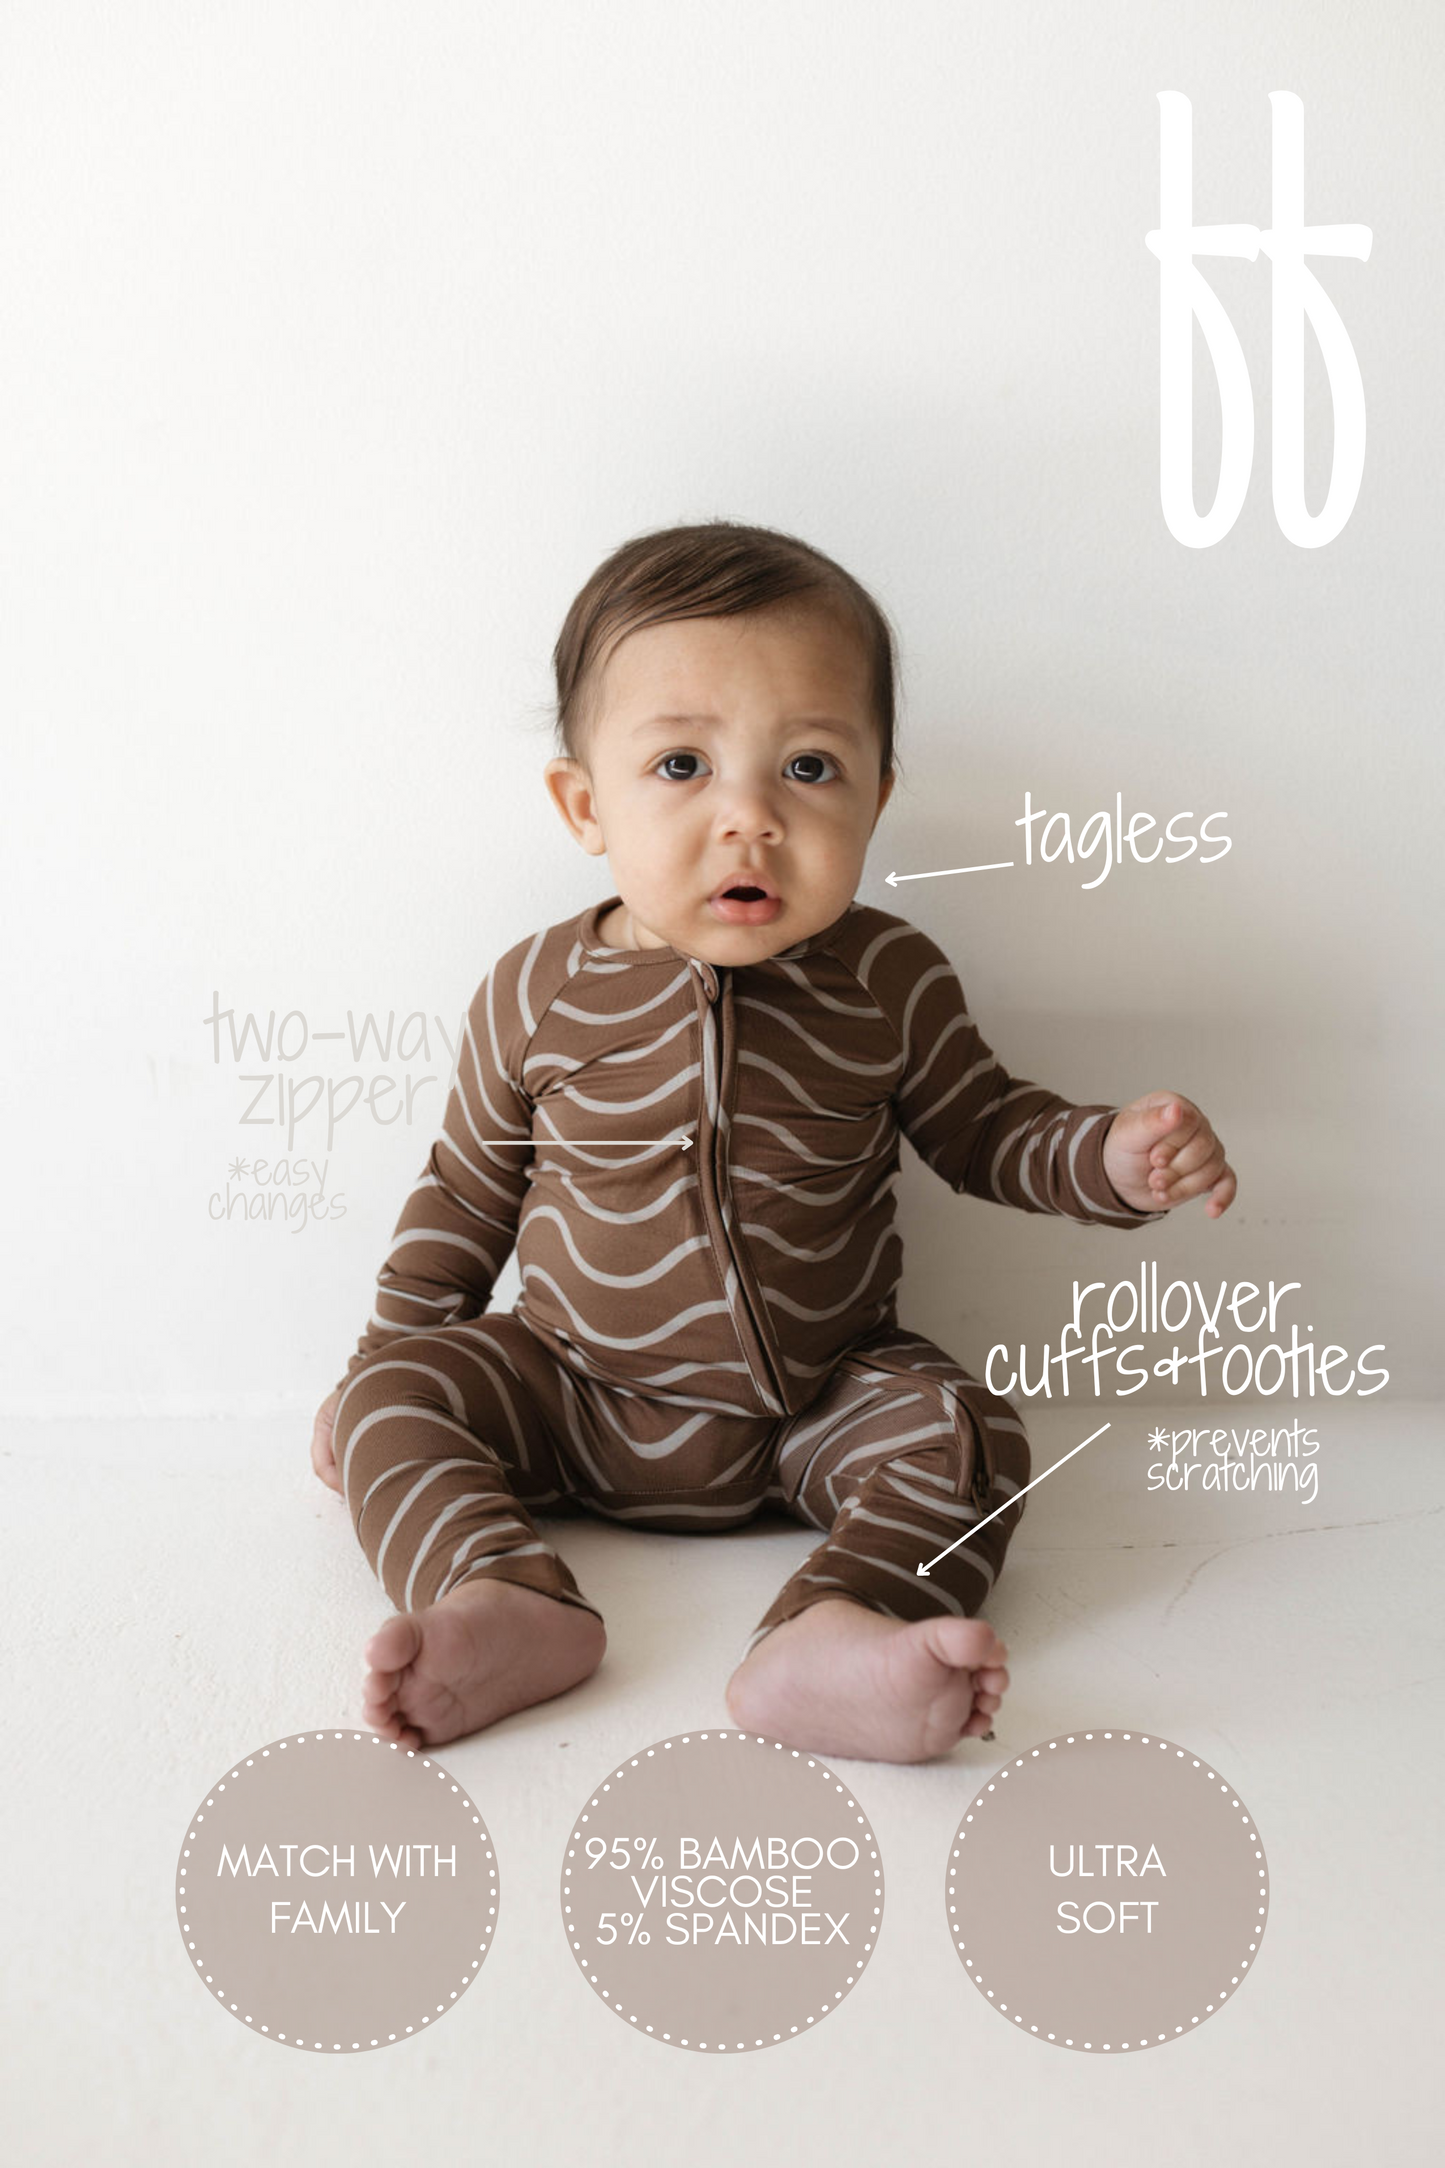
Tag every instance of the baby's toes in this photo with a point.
(992, 1680)
(961, 1643)
(392, 1728)
(394, 1645)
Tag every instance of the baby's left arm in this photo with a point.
(1160, 1151)
(998, 1136)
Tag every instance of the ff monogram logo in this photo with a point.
(1295, 292)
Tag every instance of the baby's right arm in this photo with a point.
(458, 1226)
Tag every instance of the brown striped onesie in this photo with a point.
(707, 1323)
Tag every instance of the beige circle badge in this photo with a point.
(1107, 1891)
(337, 1892)
(722, 1892)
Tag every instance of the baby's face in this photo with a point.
(723, 746)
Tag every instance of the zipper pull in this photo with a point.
(708, 976)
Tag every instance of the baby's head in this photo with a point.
(725, 707)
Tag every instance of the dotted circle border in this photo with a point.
(263, 1753)
(1021, 1761)
(744, 1738)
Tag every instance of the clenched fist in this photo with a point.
(1160, 1151)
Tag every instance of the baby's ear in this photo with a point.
(570, 788)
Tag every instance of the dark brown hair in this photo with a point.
(718, 568)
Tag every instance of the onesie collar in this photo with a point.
(590, 920)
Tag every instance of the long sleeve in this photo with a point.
(985, 1132)
(458, 1226)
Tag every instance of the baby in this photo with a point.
(683, 1106)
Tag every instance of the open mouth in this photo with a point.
(746, 902)
(748, 888)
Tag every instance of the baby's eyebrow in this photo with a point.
(823, 723)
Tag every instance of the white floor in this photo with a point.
(178, 1593)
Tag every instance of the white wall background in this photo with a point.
(339, 343)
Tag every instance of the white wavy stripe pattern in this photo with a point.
(832, 1055)
(640, 1275)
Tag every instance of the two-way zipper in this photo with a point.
(715, 1007)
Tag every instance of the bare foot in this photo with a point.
(488, 1648)
(842, 1679)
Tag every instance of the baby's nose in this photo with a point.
(751, 810)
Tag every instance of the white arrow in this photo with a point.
(894, 878)
(1012, 1501)
(570, 1142)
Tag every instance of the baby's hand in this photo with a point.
(323, 1460)
(1160, 1151)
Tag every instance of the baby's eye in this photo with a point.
(665, 766)
(666, 763)
(824, 757)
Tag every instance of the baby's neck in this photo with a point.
(617, 929)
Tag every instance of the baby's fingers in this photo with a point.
(323, 1456)
(1222, 1195)
(1215, 1176)
(1189, 1125)
(1199, 1171)
(1203, 1150)
(325, 1467)
(1169, 1185)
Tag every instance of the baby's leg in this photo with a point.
(860, 1654)
(438, 1439)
